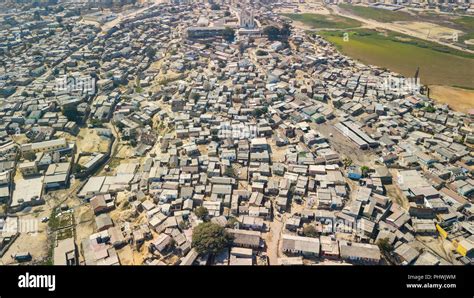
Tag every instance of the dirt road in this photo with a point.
(272, 239)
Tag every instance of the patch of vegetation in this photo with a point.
(210, 238)
(229, 34)
(430, 109)
(261, 53)
(466, 22)
(324, 21)
(65, 233)
(259, 112)
(439, 65)
(230, 172)
(97, 123)
(201, 212)
(77, 168)
(114, 162)
(378, 14)
(71, 113)
(364, 170)
(385, 246)
(310, 231)
(59, 221)
(274, 33)
(466, 25)
(150, 52)
(29, 156)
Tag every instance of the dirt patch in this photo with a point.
(32, 240)
(315, 8)
(429, 29)
(89, 141)
(461, 100)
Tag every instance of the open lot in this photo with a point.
(89, 141)
(458, 99)
(430, 29)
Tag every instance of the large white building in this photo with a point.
(247, 20)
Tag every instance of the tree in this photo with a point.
(227, 13)
(71, 113)
(182, 225)
(77, 168)
(347, 162)
(364, 170)
(275, 33)
(271, 32)
(201, 212)
(430, 109)
(221, 64)
(96, 122)
(36, 16)
(194, 96)
(229, 34)
(259, 112)
(150, 52)
(241, 48)
(29, 156)
(229, 172)
(310, 231)
(210, 238)
(215, 6)
(385, 246)
(285, 31)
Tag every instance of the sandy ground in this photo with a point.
(89, 141)
(129, 255)
(344, 145)
(438, 246)
(316, 8)
(429, 29)
(34, 242)
(458, 99)
(20, 139)
(272, 239)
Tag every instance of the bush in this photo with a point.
(96, 123)
(310, 231)
(29, 156)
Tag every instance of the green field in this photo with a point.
(378, 14)
(318, 21)
(466, 24)
(403, 54)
